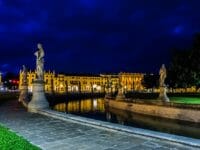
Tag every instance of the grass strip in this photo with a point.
(11, 141)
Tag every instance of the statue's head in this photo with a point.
(39, 46)
(163, 65)
(24, 68)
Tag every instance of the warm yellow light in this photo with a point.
(94, 86)
(99, 88)
(61, 86)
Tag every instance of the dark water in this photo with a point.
(96, 109)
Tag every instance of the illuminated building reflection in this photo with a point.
(84, 106)
(99, 110)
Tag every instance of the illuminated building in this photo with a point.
(63, 83)
(132, 81)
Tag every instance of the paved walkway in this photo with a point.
(50, 134)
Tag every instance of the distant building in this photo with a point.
(132, 81)
(62, 83)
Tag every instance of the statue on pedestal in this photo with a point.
(120, 94)
(39, 62)
(38, 100)
(163, 75)
(24, 75)
(163, 88)
(23, 97)
(109, 87)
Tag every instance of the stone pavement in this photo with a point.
(50, 134)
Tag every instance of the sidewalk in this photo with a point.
(50, 134)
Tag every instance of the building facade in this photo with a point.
(131, 81)
(63, 83)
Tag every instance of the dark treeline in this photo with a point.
(184, 69)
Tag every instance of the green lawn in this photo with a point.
(10, 141)
(186, 100)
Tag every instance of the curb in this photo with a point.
(124, 129)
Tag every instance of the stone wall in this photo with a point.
(190, 113)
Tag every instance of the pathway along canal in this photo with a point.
(96, 109)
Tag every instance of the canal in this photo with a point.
(97, 109)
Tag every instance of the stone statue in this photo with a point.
(24, 75)
(23, 97)
(163, 75)
(38, 100)
(120, 94)
(39, 62)
(163, 88)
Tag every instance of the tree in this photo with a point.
(184, 70)
(195, 60)
(178, 69)
(150, 81)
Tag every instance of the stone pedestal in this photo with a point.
(23, 96)
(23, 93)
(163, 94)
(38, 100)
(120, 95)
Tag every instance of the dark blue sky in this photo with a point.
(95, 35)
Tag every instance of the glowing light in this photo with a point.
(94, 86)
(95, 103)
(61, 86)
(99, 88)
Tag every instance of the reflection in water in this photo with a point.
(95, 108)
(108, 116)
(81, 106)
(155, 123)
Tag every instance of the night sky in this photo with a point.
(95, 36)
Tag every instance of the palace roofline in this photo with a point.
(90, 74)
